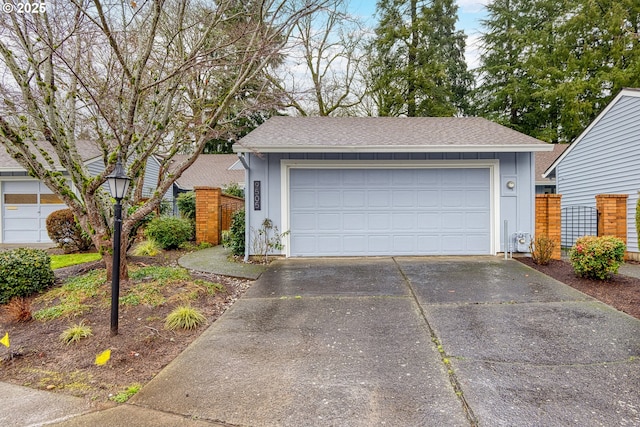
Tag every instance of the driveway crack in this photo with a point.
(453, 379)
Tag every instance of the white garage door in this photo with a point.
(25, 207)
(345, 212)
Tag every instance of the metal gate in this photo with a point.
(578, 221)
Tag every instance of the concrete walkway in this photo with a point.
(390, 341)
(217, 260)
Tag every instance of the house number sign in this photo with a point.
(257, 196)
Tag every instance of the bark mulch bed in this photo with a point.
(37, 358)
(621, 292)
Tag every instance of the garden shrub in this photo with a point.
(234, 239)
(541, 249)
(169, 232)
(233, 189)
(597, 257)
(24, 272)
(187, 205)
(65, 231)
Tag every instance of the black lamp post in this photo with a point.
(118, 186)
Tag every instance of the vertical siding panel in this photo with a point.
(606, 161)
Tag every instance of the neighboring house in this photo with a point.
(209, 170)
(390, 186)
(26, 202)
(605, 159)
(544, 159)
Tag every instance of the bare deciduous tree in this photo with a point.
(321, 76)
(130, 79)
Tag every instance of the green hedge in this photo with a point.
(24, 272)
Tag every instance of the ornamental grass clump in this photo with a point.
(184, 317)
(597, 257)
(75, 333)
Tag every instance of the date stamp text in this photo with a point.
(20, 7)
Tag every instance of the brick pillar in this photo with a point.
(548, 220)
(612, 215)
(208, 215)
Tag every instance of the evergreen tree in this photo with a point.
(417, 65)
(549, 67)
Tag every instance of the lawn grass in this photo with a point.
(59, 261)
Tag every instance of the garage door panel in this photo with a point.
(476, 199)
(404, 244)
(452, 178)
(305, 243)
(453, 198)
(379, 221)
(427, 180)
(428, 198)
(353, 244)
(390, 212)
(354, 198)
(428, 244)
(379, 199)
(379, 244)
(476, 220)
(354, 221)
(328, 243)
(477, 178)
(476, 243)
(429, 221)
(304, 221)
(403, 221)
(403, 198)
(353, 178)
(301, 199)
(382, 178)
(328, 199)
(403, 178)
(328, 222)
(452, 220)
(329, 180)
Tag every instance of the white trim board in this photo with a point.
(492, 164)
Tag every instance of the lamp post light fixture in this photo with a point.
(118, 186)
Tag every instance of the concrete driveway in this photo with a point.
(407, 342)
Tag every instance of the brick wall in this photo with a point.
(548, 219)
(214, 211)
(612, 219)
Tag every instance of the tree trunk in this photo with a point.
(107, 255)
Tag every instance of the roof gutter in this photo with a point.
(397, 149)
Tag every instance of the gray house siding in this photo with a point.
(606, 160)
(150, 181)
(514, 206)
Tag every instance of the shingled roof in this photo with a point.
(386, 134)
(88, 150)
(210, 170)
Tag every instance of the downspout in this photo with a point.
(246, 214)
